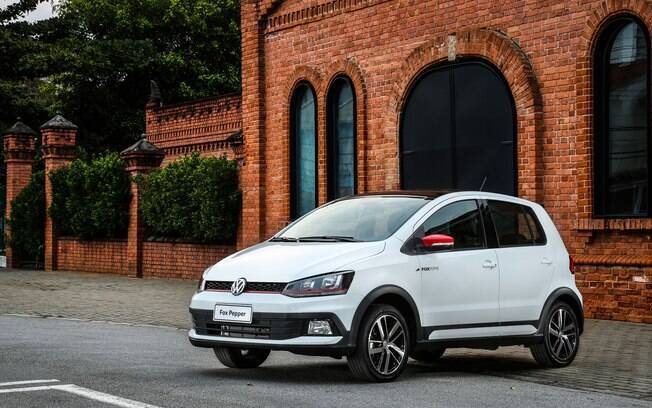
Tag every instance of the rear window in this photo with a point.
(516, 225)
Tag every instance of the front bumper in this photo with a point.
(274, 331)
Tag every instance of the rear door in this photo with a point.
(526, 262)
(459, 285)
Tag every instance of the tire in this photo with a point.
(556, 350)
(241, 358)
(388, 359)
(428, 356)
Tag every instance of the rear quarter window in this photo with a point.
(516, 225)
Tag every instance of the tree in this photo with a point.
(27, 219)
(95, 58)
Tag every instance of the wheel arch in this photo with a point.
(394, 296)
(568, 296)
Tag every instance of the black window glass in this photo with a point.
(622, 123)
(457, 129)
(341, 140)
(304, 143)
(460, 220)
(515, 224)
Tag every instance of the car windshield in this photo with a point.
(372, 218)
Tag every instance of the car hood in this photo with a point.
(288, 261)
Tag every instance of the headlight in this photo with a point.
(337, 283)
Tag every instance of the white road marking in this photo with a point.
(83, 392)
(26, 389)
(102, 397)
(8, 384)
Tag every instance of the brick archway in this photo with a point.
(350, 69)
(600, 17)
(509, 58)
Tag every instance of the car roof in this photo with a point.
(408, 193)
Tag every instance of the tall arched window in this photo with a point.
(458, 130)
(303, 151)
(622, 129)
(341, 139)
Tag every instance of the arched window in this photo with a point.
(458, 130)
(303, 151)
(622, 129)
(341, 139)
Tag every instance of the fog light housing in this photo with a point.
(320, 328)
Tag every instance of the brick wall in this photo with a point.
(179, 260)
(202, 126)
(544, 50)
(160, 259)
(92, 256)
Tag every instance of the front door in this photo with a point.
(460, 286)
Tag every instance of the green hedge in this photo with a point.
(193, 198)
(27, 221)
(90, 198)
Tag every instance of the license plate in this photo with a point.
(232, 313)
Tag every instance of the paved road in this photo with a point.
(153, 365)
(614, 358)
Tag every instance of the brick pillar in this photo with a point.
(252, 176)
(59, 139)
(140, 158)
(19, 156)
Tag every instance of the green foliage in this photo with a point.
(27, 219)
(90, 198)
(193, 198)
(95, 58)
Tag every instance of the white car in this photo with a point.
(381, 277)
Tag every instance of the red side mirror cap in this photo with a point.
(437, 242)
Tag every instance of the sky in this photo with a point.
(43, 11)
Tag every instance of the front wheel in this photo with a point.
(561, 338)
(383, 345)
(241, 358)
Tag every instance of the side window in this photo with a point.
(536, 228)
(460, 220)
(516, 225)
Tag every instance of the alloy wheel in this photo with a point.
(387, 344)
(562, 334)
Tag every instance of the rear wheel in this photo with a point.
(561, 338)
(383, 345)
(241, 358)
(428, 356)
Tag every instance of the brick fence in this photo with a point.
(134, 255)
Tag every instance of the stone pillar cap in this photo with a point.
(143, 147)
(59, 122)
(19, 128)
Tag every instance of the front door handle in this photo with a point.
(489, 264)
(546, 261)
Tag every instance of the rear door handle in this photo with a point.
(489, 264)
(546, 261)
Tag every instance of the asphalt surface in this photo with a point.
(157, 366)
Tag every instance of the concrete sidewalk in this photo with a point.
(614, 357)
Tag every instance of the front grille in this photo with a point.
(272, 287)
(265, 328)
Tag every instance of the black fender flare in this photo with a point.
(552, 298)
(375, 295)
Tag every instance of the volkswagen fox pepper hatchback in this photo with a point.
(380, 278)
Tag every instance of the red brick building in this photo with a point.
(548, 100)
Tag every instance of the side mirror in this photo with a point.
(437, 242)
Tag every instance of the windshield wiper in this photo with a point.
(333, 238)
(283, 239)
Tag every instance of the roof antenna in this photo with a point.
(483, 181)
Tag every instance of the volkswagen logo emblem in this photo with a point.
(238, 286)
